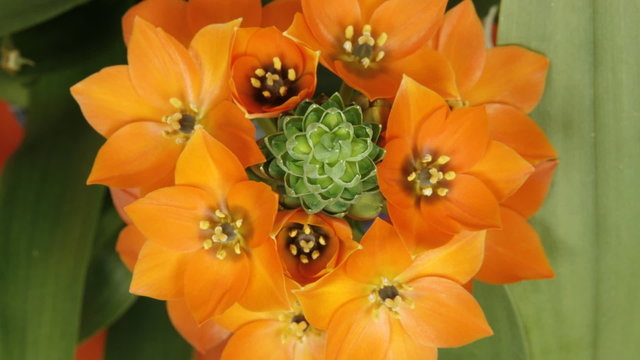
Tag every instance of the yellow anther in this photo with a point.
(348, 32)
(426, 159)
(304, 259)
(291, 75)
(427, 191)
(322, 241)
(256, 83)
(269, 79)
(365, 62)
(443, 191)
(382, 39)
(260, 72)
(266, 94)
(236, 248)
(219, 234)
(282, 91)
(315, 254)
(293, 249)
(389, 303)
(380, 55)
(450, 175)
(239, 223)
(306, 229)
(443, 159)
(412, 176)
(204, 224)
(366, 29)
(275, 77)
(220, 214)
(277, 64)
(221, 254)
(293, 232)
(176, 103)
(207, 244)
(348, 46)
(194, 108)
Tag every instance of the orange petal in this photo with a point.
(204, 12)
(300, 31)
(444, 315)
(373, 83)
(471, 203)
(384, 254)
(514, 253)
(159, 272)
(237, 316)
(227, 123)
(502, 170)
(458, 260)
(204, 337)
(135, 155)
(529, 198)
(512, 75)
(429, 68)
(213, 285)
(355, 333)
(464, 138)
(393, 171)
(414, 104)
(11, 135)
(209, 165)
(170, 15)
(257, 205)
(279, 13)
(122, 198)
(93, 348)
(461, 40)
(328, 20)
(514, 128)
(211, 50)
(417, 233)
(108, 101)
(407, 23)
(260, 339)
(170, 217)
(402, 346)
(321, 299)
(130, 242)
(265, 290)
(160, 67)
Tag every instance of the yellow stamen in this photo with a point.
(348, 46)
(443, 159)
(293, 232)
(176, 103)
(291, 75)
(282, 91)
(322, 241)
(304, 259)
(315, 254)
(450, 175)
(412, 176)
(426, 159)
(443, 191)
(221, 254)
(366, 29)
(260, 72)
(266, 94)
(277, 64)
(220, 214)
(380, 55)
(239, 223)
(207, 244)
(382, 39)
(293, 250)
(236, 248)
(306, 229)
(427, 191)
(365, 62)
(204, 224)
(348, 32)
(256, 83)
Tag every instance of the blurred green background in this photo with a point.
(61, 281)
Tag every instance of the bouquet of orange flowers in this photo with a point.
(282, 222)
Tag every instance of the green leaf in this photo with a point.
(106, 294)
(589, 224)
(145, 332)
(508, 341)
(19, 15)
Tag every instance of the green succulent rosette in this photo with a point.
(325, 157)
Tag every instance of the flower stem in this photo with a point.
(346, 92)
(267, 125)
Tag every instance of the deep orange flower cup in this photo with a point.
(270, 73)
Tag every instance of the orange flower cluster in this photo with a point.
(247, 272)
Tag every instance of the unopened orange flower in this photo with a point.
(271, 73)
(369, 44)
(473, 75)
(384, 304)
(208, 236)
(311, 245)
(149, 109)
(11, 133)
(183, 19)
(442, 172)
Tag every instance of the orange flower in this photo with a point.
(369, 44)
(92, 348)
(310, 246)
(442, 172)
(184, 19)
(149, 109)
(383, 304)
(284, 334)
(473, 75)
(206, 337)
(271, 73)
(11, 133)
(208, 237)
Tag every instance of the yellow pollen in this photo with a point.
(219, 235)
(282, 91)
(380, 55)
(277, 64)
(221, 254)
(293, 232)
(204, 224)
(365, 62)
(382, 39)
(427, 191)
(443, 159)
(236, 248)
(304, 259)
(322, 241)
(239, 223)
(348, 32)
(426, 159)
(220, 214)
(260, 72)
(293, 249)
(194, 108)
(348, 46)
(207, 244)
(306, 229)
(443, 191)
(315, 254)
(176, 103)
(266, 94)
(412, 176)
(366, 29)
(450, 175)
(291, 75)
(255, 83)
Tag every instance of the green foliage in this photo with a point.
(18, 15)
